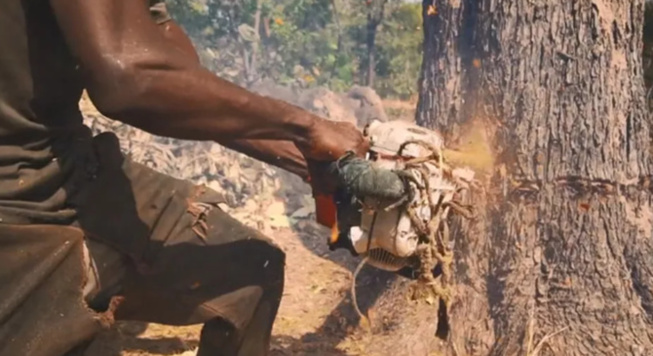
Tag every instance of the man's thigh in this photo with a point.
(130, 206)
(187, 261)
(42, 312)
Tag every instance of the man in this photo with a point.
(82, 225)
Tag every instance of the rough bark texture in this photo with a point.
(560, 260)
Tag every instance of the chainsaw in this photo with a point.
(391, 208)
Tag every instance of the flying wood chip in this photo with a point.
(431, 10)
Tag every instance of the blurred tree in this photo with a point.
(399, 52)
(335, 43)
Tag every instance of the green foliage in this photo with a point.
(307, 42)
(400, 52)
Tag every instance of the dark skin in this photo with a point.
(150, 77)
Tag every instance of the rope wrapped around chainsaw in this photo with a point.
(395, 188)
(435, 244)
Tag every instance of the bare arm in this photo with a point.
(283, 154)
(133, 74)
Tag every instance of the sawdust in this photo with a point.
(472, 148)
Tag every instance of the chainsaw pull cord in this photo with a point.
(362, 263)
(357, 271)
(338, 170)
(361, 315)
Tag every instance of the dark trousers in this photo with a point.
(161, 250)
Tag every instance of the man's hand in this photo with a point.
(326, 142)
(329, 140)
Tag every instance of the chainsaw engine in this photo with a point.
(392, 207)
(390, 233)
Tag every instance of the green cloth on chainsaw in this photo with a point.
(363, 180)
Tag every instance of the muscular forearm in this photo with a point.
(282, 154)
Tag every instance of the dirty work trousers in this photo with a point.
(141, 246)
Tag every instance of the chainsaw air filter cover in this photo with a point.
(386, 236)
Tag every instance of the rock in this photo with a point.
(328, 104)
(303, 212)
(269, 88)
(369, 105)
(359, 106)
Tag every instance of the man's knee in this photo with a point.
(250, 245)
(275, 264)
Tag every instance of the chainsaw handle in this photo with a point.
(339, 188)
(325, 209)
(362, 179)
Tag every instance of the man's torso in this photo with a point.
(42, 137)
(39, 91)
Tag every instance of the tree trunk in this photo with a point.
(560, 259)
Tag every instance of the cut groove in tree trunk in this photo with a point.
(560, 261)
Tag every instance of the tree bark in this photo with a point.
(560, 259)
